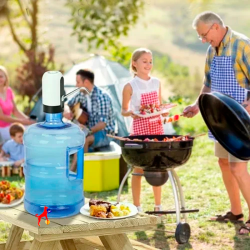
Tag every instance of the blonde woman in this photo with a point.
(9, 112)
(142, 89)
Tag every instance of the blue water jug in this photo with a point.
(48, 146)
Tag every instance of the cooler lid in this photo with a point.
(228, 121)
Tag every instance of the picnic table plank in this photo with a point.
(68, 244)
(99, 232)
(91, 241)
(96, 243)
(28, 222)
(23, 245)
(19, 219)
(14, 238)
(118, 241)
(51, 245)
(69, 224)
(86, 243)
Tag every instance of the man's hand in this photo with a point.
(246, 105)
(191, 111)
(68, 115)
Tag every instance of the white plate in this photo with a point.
(152, 114)
(6, 163)
(12, 204)
(85, 211)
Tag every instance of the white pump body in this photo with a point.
(51, 88)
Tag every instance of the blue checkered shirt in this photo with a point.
(102, 109)
(240, 45)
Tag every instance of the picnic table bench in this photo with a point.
(74, 233)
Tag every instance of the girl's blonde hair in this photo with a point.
(4, 70)
(135, 56)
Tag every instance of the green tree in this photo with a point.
(102, 22)
(23, 24)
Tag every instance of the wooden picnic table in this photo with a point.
(74, 233)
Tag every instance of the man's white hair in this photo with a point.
(207, 17)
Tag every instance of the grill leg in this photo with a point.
(180, 192)
(176, 200)
(122, 183)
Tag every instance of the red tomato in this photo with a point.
(176, 117)
(8, 197)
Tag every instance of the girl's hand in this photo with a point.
(133, 115)
(165, 114)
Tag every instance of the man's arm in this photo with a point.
(245, 66)
(105, 111)
(99, 126)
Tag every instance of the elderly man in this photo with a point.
(227, 70)
(99, 107)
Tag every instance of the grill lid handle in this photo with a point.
(133, 146)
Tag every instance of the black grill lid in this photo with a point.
(228, 121)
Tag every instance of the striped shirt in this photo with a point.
(240, 53)
(101, 108)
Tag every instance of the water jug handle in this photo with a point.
(79, 165)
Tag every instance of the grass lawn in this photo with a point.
(203, 189)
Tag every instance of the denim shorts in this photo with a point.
(101, 140)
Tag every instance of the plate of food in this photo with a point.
(103, 210)
(10, 195)
(150, 110)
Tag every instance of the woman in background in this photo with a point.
(9, 112)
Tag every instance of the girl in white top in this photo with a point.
(142, 89)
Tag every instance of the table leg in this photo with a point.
(118, 241)
(14, 238)
(50, 245)
(68, 244)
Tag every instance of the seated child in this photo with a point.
(14, 148)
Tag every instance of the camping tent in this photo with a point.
(110, 76)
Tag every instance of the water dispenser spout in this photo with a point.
(53, 92)
(75, 90)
